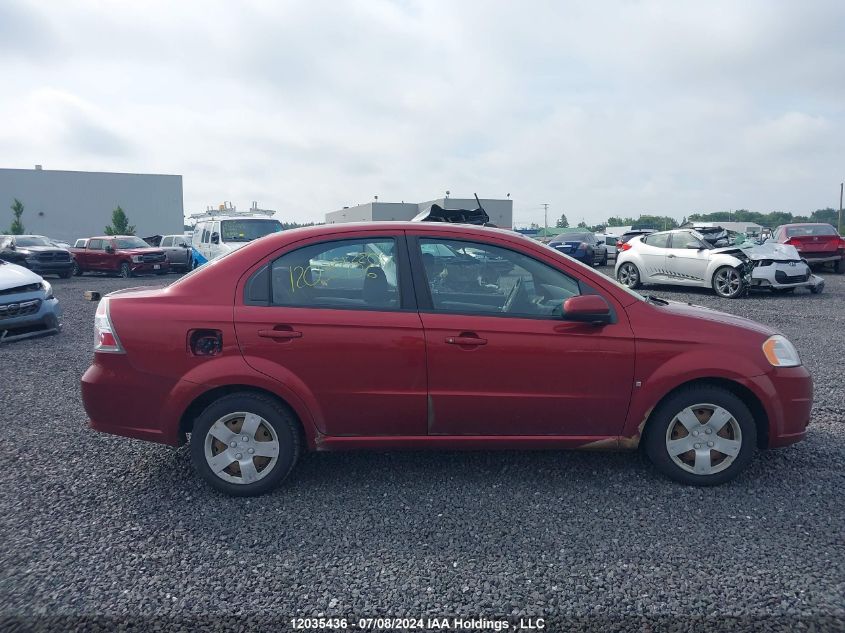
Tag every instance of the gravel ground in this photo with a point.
(100, 525)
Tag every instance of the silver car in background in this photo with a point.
(27, 305)
(178, 251)
(683, 257)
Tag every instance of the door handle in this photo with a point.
(280, 333)
(464, 339)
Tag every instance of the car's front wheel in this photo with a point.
(77, 270)
(628, 275)
(839, 266)
(727, 282)
(701, 435)
(245, 444)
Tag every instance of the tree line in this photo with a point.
(665, 222)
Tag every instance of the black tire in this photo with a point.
(283, 424)
(632, 278)
(77, 270)
(603, 261)
(839, 266)
(66, 274)
(664, 421)
(125, 270)
(731, 286)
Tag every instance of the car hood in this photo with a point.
(769, 250)
(701, 313)
(38, 249)
(12, 276)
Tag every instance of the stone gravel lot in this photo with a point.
(95, 524)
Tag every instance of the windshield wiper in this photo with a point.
(656, 300)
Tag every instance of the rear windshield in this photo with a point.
(571, 237)
(812, 229)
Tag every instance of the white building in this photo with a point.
(66, 205)
(500, 211)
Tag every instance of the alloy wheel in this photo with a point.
(727, 282)
(703, 439)
(629, 275)
(241, 448)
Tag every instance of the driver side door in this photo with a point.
(502, 362)
(687, 258)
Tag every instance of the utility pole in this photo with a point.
(546, 219)
(839, 223)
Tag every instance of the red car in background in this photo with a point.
(378, 336)
(125, 255)
(817, 243)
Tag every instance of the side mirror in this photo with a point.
(586, 309)
(109, 248)
(215, 238)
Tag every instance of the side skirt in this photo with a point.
(471, 442)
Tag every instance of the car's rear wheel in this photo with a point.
(604, 259)
(628, 275)
(125, 270)
(701, 435)
(839, 266)
(245, 444)
(727, 282)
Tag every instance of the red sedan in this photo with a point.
(414, 335)
(817, 243)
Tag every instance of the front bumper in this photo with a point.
(787, 396)
(150, 267)
(46, 320)
(782, 275)
(49, 268)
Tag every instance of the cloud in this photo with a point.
(600, 108)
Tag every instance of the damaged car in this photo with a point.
(684, 257)
(27, 305)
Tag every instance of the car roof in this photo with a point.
(806, 224)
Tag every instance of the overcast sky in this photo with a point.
(598, 108)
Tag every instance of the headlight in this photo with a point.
(780, 352)
(48, 290)
(137, 259)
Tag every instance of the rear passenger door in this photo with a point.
(94, 255)
(336, 320)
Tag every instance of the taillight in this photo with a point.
(624, 246)
(794, 243)
(105, 337)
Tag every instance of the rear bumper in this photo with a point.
(787, 396)
(821, 258)
(123, 401)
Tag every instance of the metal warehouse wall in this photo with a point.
(66, 205)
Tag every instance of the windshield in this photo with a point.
(131, 242)
(32, 240)
(813, 229)
(248, 229)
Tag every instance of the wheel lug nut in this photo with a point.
(698, 445)
(239, 456)
(711, 444)
(245, 438)
(251, 451)
(233, 444)
(708, 431)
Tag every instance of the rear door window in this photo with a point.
(658, 240)
(95, 245)
(166, 241)
(360, 273)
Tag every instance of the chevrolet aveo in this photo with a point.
(414, 335)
